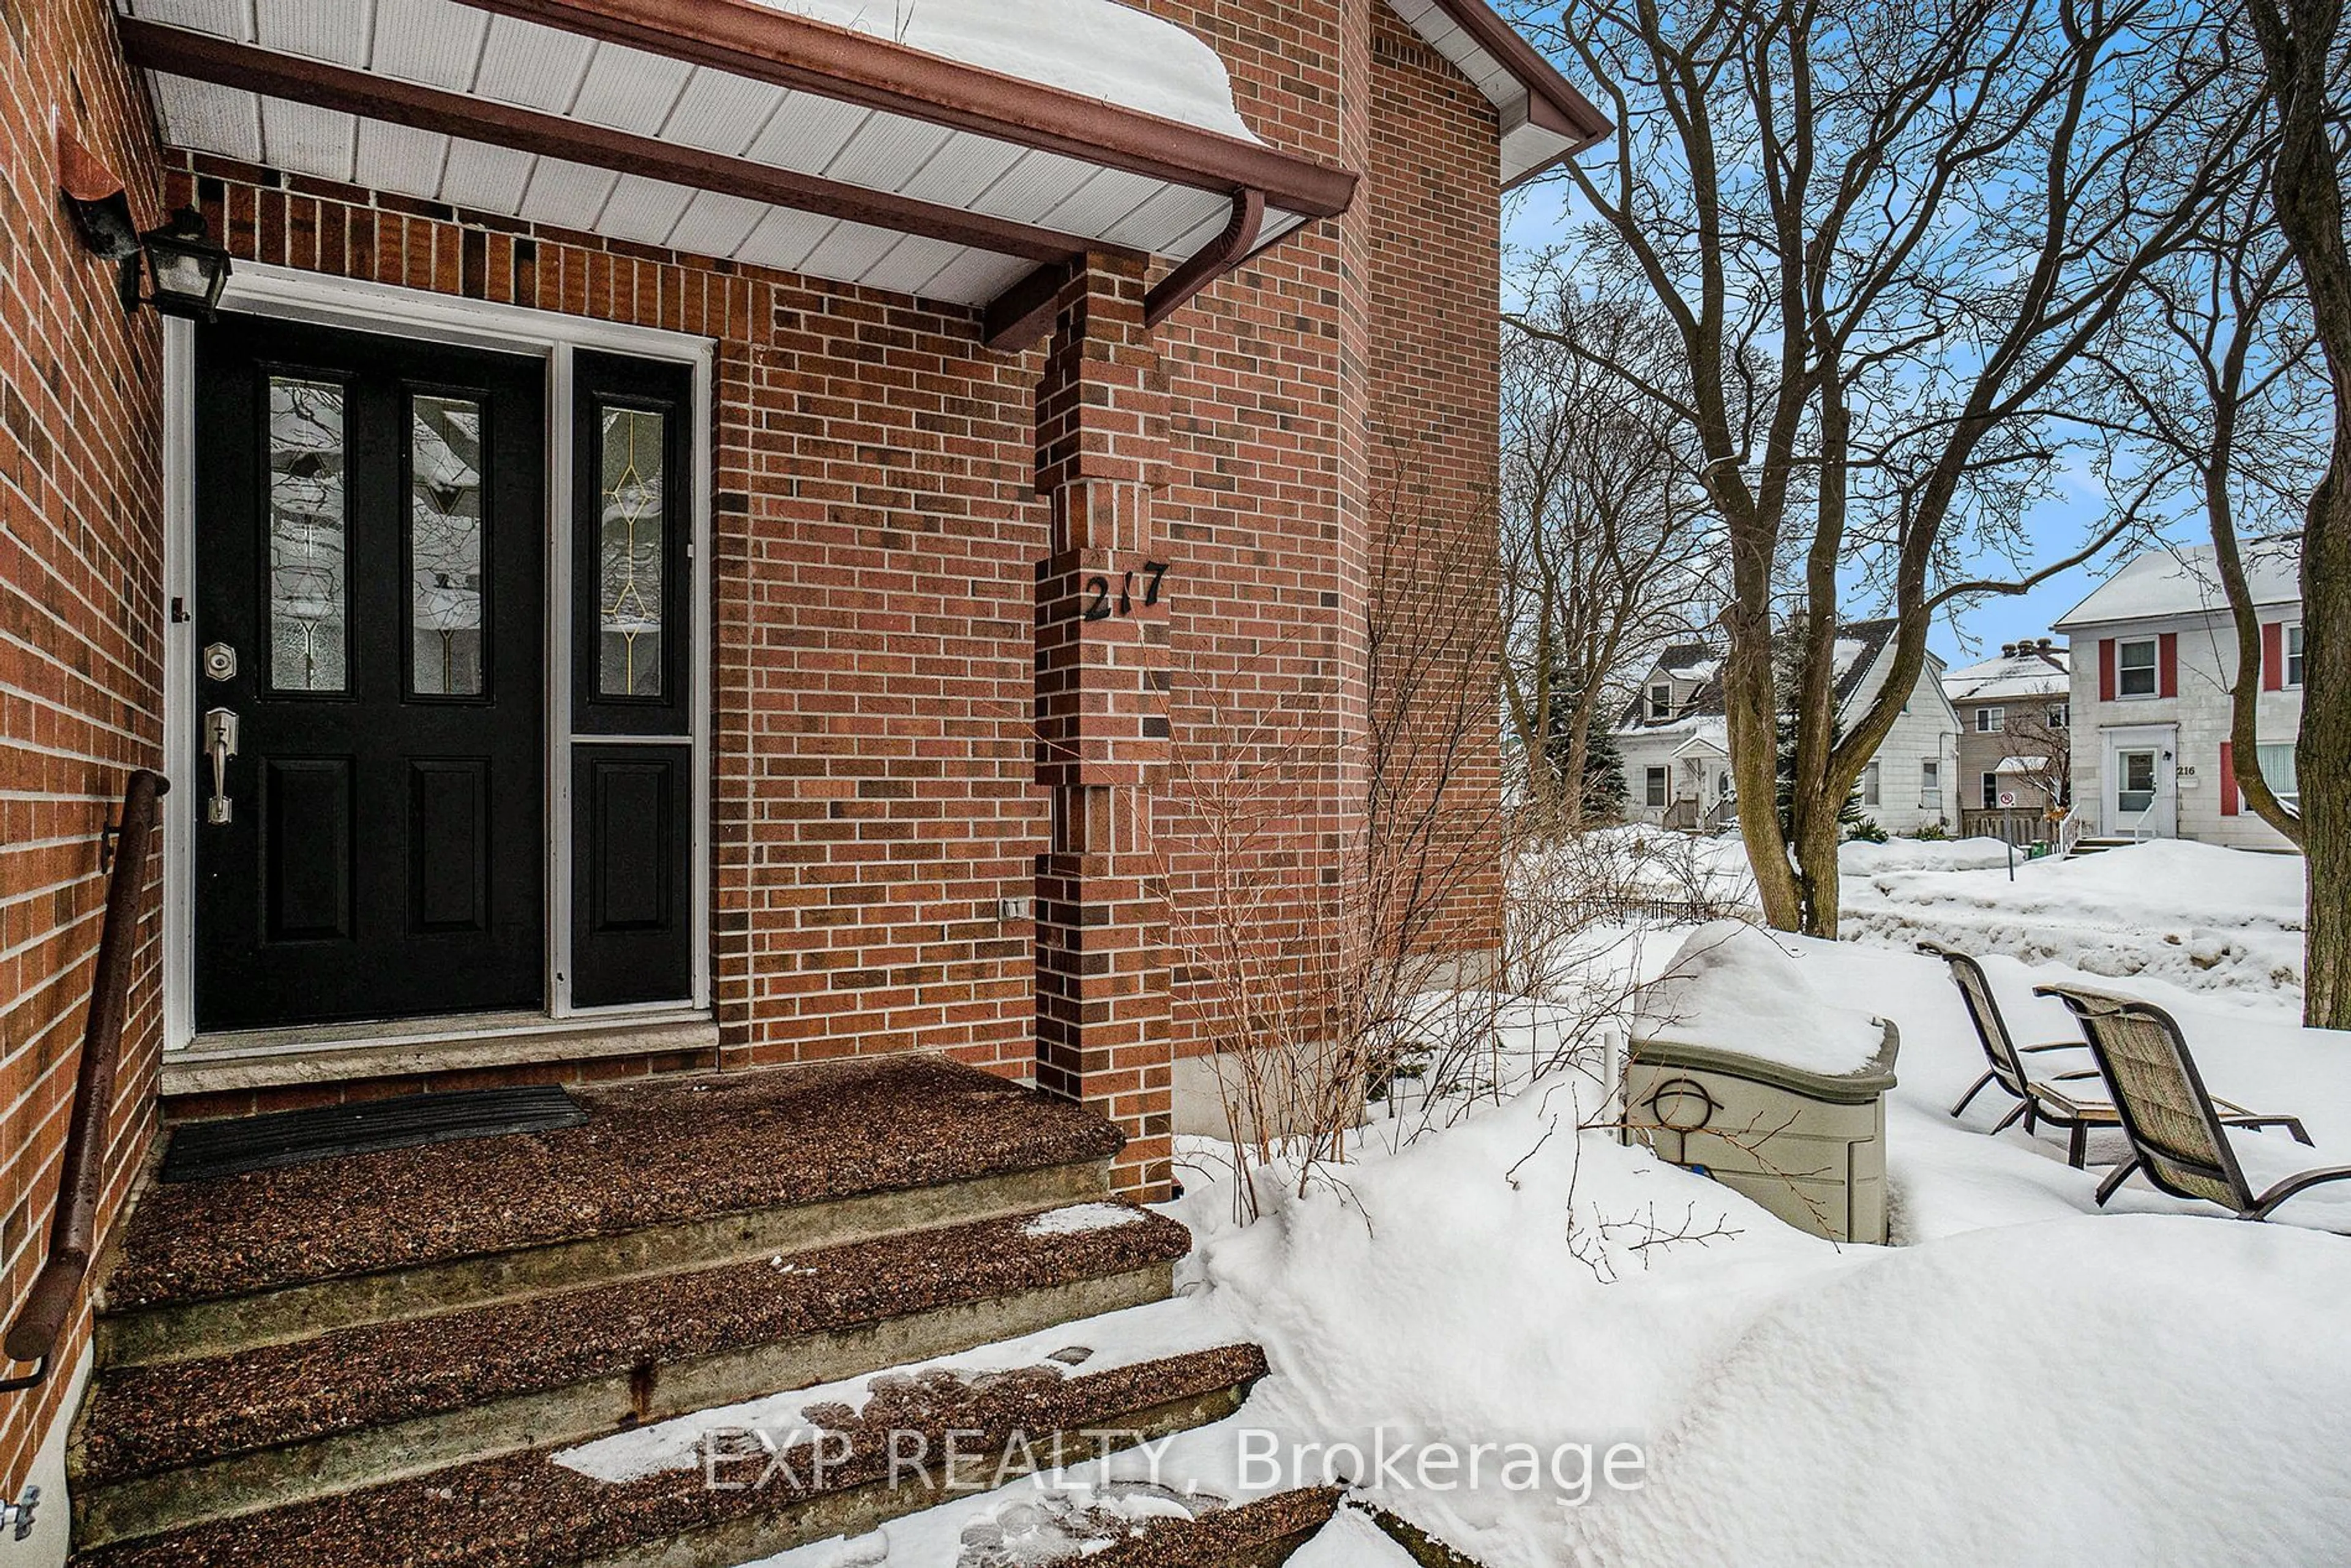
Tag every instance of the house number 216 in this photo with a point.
(1100, 606)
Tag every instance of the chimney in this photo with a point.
(2008, 650)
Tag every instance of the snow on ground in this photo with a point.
(1351, 1541)
(2198, 916)
(2022, 1379)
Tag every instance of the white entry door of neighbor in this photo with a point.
(2141, 781)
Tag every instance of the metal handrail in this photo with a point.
(81, 1179)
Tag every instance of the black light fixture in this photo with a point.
(186, 270)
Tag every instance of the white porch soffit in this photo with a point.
(1544, 119)
(759, 132)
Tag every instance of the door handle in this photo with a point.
(220, 745)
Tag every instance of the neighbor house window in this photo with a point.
(2134, 667)
(1991, 791)
(1930, 785)
(2061, 715)
(2293, 655)
(2277, 771)
(1661, 701)
(1654, 786)
(1869, 790)
(1991, 720)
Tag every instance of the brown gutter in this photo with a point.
(1024, 312)
(81, 1178)
(1221, 256)
(226, 63)
(1553, 102)
(748, 39)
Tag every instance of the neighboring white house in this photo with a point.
(2155, 653)
(1673, 738)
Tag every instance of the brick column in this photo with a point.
(1103, 1009)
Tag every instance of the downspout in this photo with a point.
(1221, 256)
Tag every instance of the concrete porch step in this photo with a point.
(831, 1474)
(666, 1174)
(169, 1445)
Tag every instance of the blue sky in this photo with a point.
(1533, 219)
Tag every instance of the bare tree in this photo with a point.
(1886, 237)
(2216, 387)
(1305, 1016)
(1606, 555)
(2302, 50)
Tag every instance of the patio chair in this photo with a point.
(2046, 1098)
(2038, 1100)
(2178, 1132)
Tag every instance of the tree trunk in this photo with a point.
(2323, 751)
(2297, 42)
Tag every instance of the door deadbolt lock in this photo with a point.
(220, 745)
(220, 662)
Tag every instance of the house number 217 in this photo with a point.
(1100, 606)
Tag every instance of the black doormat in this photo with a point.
(205, 1149)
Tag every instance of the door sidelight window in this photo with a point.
(310, 586)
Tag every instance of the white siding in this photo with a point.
(2208, 663)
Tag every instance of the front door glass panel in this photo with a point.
(310, 598)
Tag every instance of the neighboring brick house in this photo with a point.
(1675, 743)
(2015, 747)
(724, 534)
(2154, 658)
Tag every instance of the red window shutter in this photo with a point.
(2167, 658)
(2227, 779)
(2106, 669)
(2273, 657)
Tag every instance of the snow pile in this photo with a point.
(1734, 986)
(2120, 1389)
(1860, 858)
(2093, 1387)
(1351, 1541)
(2201, 917)
(1096, 48)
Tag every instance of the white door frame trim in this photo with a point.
(2163, 739)
(287, 294)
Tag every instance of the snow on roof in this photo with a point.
(2022, 765)
(2027, 673)
(1707, 735)
(1857, 649)
(1097, 48)
(2184, 582)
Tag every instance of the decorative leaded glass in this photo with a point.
(630, 554)
(309, 599)
(444, 545)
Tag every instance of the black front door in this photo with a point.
(370, 524)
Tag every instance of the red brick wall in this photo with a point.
(1436, 240)
(80, 630)
(1263, 517)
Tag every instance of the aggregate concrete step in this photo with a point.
(859, 1467)
(666, 1175)
(170, 1445)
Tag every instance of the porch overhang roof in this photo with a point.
(730, 129)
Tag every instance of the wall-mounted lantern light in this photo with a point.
(179, 261)
(185, 269)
